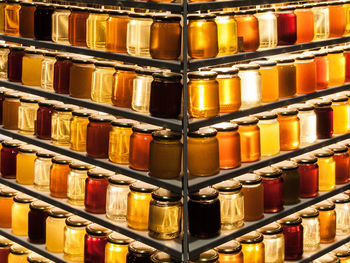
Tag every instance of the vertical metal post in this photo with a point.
(185, 245)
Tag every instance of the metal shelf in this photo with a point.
(195, 124)
(171, 184)
(198, 63)
(173, 124)
(173, 247)
(196, 183)
(168, 64)
(40, 249)
(198, 246)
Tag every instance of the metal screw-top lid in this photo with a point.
(225, 71)
(325, 205)
(141, 15)
(338, 148)
(320, 103)
(269, 172)
(225, 127)
(166, 135)
(340, 198)
(27, 148)
(340, 99)
(161, 257)
(18, 250)
(328, 258)
(271, 229)
(140, 248)
(285, 60)
(305, 159)
(167, 76)
(291, 220)
(142, 187)
(286, 165)
(58, 213)
(265, 63)
(12, 95)
(250, 66)
(286, 112)
(145, 128)
(23, 198)
(228, 186)
(4, 242)
(100, 173)
(77, 165)
(65, 107)
(249, 120)
(346, 143)
(120, 179)
(323, 153)
(246, 12)
(308, 213)
(202, 16)
(203, 133)
(12, 143)
(231, 247)
(40, 205)
(210, 256)
(249, 179)
(165, 195)
(304, 56)
(119, 239)
(83, 112)
(101, 118)
(36, 258)
(77, 221)
(342, 252)
(335, 50)
(97, 230)
(202, 74)
(49, 103)
(30, 99)
(204, 194)
(267, 115)
(301, 107)
(167, 17)
(251, 238)
(8, 192)
(61, 159)
(126, 123)
(42, 153)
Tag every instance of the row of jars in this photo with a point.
(148, 90)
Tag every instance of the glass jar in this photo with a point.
(139, 253)
(55, 224)
(25, 164)
(96, 190)
(231, 204)
(43, 118)
(273, 242)
(327, 216)
(78, 129)
(293, 237)
(6, 202)
(138, 204)
(203, 152)
(80, 78)
(342, 210)
(336, 67)
(227, 33)
(161, 257)
(341, 115)
(15, 58)
(119, 140)
(305, 74)
(117, 197)
(326, 171)
(9, 153)
(141, 92)
(347, 58)
(311, 229)
(10, 110)
(336, 19)
(42, 166)
(43, 22)
(198, 46)
(26, 19)
(229, 89)
(74, 234)
(140, 145)
(122, 86)
(98, 135)
(2, 99)
(20, 210)
(321, 62)
(230, 252)
(286, 25)
(60, 21)
(96, 25)
(324, 118)
(269, 133)
(94, 243)
(27, 113)
(286, 77)
(267, 28)
(166, 95)
(253, 247)
(102, 82)
(229, 145)
(47, 71)
(116, 248)
(305, 23)
(251, 93)
(165, 37)
(61, 74)
(11, 14)
(210, 256)
(291, 181)
(77, 26)
(273, 188)
(58, 176)
(4, 52)
(249, 133)
(5, 245)
(289, 129)
(18, 254)
(116, 28)
(247, 30)
(2, 12)
(321, 20)
(253, 193)
(76, 182)
(204, 202)
(308, 171)
(60, 124)
(138, 34)
(165, 154)
(342, 163)
(37, 221)
(31, 67)
(346, 6)
(165, 215)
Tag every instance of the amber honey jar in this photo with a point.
(269, 80)
(327, 218)
(203, 152)
(202, 47)
(26, 19)
(123, 85)
(12, 9)
(116, 248)
(165, 37)
(324, 118)
(10, 110)
(342, 163)
(289, 129)
(78, 129)
(247, 30)
(286, 77)
(305, 74)
(77, 26)
(20, 210)
(230, 252)
(116, 31)
(336, 66)
(341, 114)
(253, 247)
(81, 78)
(6, 202)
